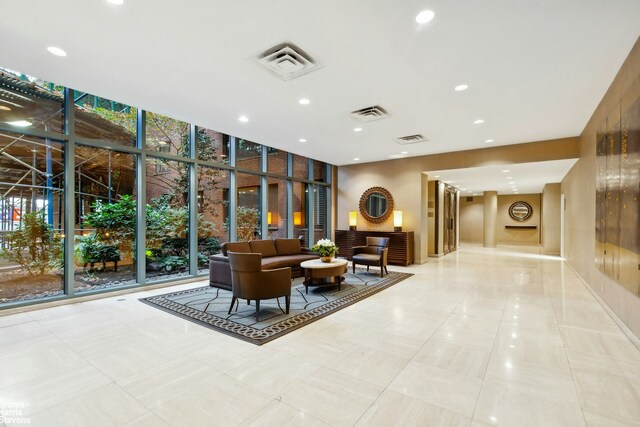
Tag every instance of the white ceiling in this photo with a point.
(536, 70)
(526, 178)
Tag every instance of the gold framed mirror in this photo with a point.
(376, 205)
(520, 211)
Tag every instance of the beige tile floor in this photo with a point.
(479, 337)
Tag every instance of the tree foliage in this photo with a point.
(34, 246)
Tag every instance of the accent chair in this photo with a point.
(374, 254)
(250, 282)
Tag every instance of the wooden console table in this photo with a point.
(400, 244)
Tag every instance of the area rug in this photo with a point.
(208, 306)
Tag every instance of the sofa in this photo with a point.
(275, 253)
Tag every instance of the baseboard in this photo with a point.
(625, 329)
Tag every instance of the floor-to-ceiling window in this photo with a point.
(31, 217)
(131, 196)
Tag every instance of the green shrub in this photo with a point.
(34, 246)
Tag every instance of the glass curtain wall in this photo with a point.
(126, 186)
(167, 219)
(105, 231)
(31, 217)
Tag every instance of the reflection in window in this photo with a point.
(277, 162)
(31, 217)
(300, 167)
(165, 133)
(299, 208)
(248, 155)
(248, 213)
(212, 146)
(105, 233)
(277, 208)
(167, 251)
(319, 171)
(213, 213)
(30, 103)
(100, 118)
(321, 229)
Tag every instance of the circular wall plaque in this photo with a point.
(520, 211)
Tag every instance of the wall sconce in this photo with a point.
(297, 218)
(269, 218)
(353, 220)
(397, 220)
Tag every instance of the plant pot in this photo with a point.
(326, 259)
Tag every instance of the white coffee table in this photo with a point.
(318, 273)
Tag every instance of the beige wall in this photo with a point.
(404, 179)
(471, 219)
(518, 236)
(551, 198)
(579, 189)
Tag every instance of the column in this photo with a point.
(490, 219)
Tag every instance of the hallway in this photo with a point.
(479, 337)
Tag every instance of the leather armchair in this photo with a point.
(374, 254)
(250, 282)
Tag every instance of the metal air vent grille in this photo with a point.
(370, 114)
(287, 61)
(410, 139)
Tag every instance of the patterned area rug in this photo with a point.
(208, 306)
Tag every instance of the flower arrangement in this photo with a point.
(325, 248)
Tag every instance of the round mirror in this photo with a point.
(376, 205)
(520, 211)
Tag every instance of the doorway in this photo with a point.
(450, 219)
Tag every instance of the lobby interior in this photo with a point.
(506, 323)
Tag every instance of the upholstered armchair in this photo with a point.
(249, 282)
(374, 254)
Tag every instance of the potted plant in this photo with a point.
(326, 249)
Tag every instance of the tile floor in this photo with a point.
(479, 337)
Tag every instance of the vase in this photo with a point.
(326, 259)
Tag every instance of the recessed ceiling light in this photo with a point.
(243, 119)
(460, 88)
(437, 176)
(304, 101)
(116, 2)
(56, 51)
(509, 177)
(20, 123)
(425, 16)
(356, 158)
(512, 182)
(302, 140)
(463, 189)
(488, 140)
(3, 108)
(357, 129)
(506, 171)
(478, 122)
(404, 152)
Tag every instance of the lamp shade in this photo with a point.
(297, 218)
(397, 218)
(353, 218)
(268, 217)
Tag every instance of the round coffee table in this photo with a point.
(318, 273)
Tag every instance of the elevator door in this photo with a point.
(450, 220)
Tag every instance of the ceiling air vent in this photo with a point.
(410, 139)
(287, 61)
(370, 114)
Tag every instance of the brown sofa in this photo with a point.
(275, 254)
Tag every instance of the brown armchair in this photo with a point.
(375, 253)
(249, 282)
